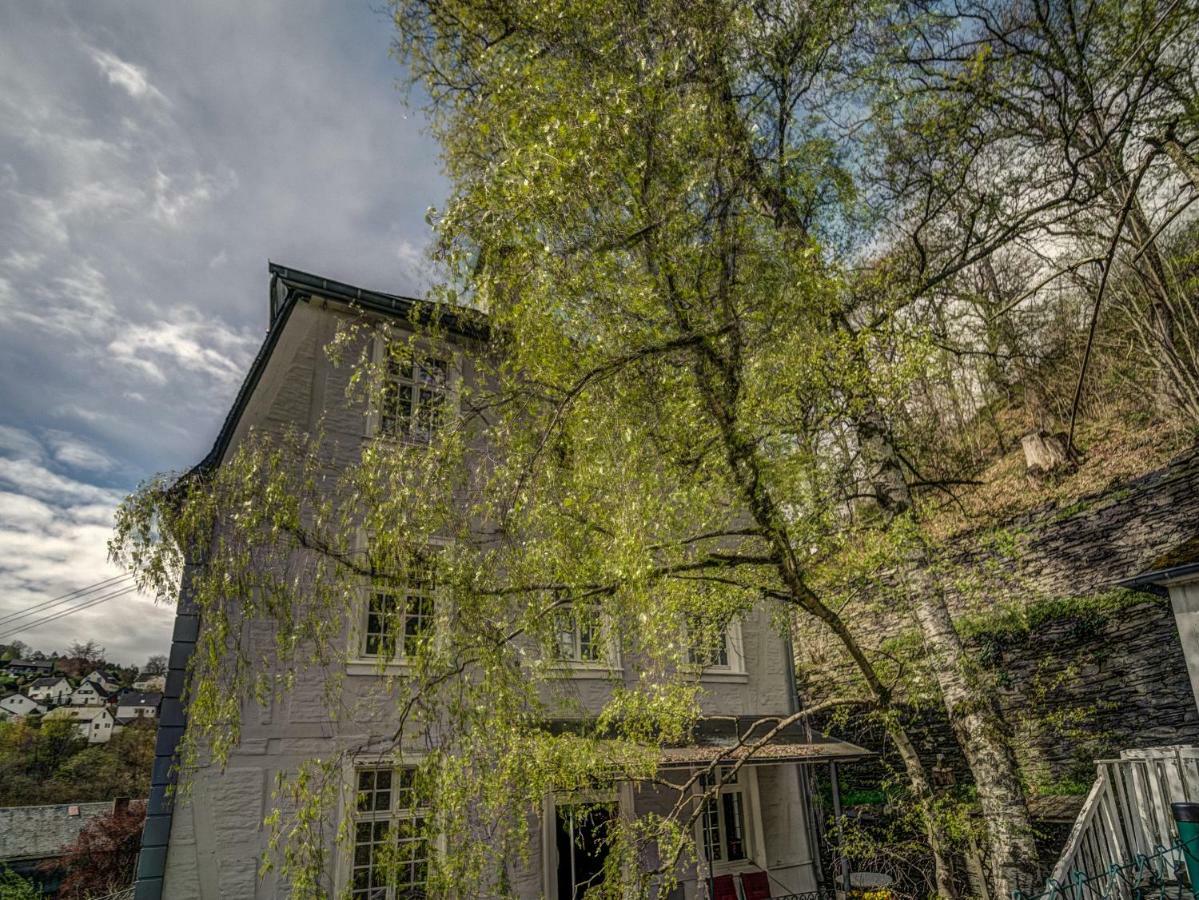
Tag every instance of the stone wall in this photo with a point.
(1082, 680)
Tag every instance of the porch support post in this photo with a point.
(841, 864)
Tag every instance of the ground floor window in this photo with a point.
(581, 838)
(391, 852)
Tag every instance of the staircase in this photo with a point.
(1126, 816)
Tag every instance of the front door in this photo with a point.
(582, 841)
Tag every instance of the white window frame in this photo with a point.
(751, 809)
(607, 663)
(350, 814)
(421, 347)
(358, 661)
(734, 647)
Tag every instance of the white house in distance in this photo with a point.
(106, 681)
(51, 689)
(94, 722)
(137, 705)
(18, 706)
(89, 694)
(150, 683)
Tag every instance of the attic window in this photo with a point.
(415, 396)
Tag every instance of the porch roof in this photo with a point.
(735, 737)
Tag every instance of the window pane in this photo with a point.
(734, 825)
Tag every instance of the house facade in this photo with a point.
(18, 706)
(759, 836)
(51, 689)
(89, 693)
(150, 682)
(94, 723)
(137, 705)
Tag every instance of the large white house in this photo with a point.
(94, 723)
(88, 693)
(759, 835)
(51, 689)
(18, 706)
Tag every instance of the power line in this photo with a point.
(94, 601)
(43, 605)
(88, 604)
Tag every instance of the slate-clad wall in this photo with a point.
(1124, 669)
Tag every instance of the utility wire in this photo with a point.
(43, 605)
(88, 604)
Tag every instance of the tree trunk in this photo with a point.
(1044, 454)
(980, 731)
(746, 471)
(973, 714)
(1187, 165)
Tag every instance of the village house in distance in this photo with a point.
(760, 838)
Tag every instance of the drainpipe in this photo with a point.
(840, 863)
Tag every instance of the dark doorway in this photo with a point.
(582, 841)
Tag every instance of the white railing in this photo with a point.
(1126, 814)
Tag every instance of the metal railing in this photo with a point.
(1156, 875)
(1125, 818)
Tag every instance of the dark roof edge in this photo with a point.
(460, 320)
(1158, 577)
(287, 287)
(280, 312)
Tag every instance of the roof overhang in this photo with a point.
(750, 740)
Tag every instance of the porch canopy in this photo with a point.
(738, 737)
(757, 739)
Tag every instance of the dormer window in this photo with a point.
(416, 395)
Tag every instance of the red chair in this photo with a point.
(724, 888)
(756, 885)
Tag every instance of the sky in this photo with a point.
(153, 157)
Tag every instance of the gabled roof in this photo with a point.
(48, 681)
(138, 698)
(289, 286)
(32, 663)
(38, 832)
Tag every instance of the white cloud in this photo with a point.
(53, 540)
(150, 164)
(71, 451)
(126, 75)
(208, 348)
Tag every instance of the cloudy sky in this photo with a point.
(153, 157)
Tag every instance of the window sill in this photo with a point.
(725, 676)
(585, 671)
(368, 666)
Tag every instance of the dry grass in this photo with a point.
(1119, 442)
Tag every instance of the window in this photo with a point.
(578, 635)
(415, 396)
(398, 619)
(708, 644)
(391, 853)
(723, 821)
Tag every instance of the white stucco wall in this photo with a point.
(1184, 598)
(217, 838)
